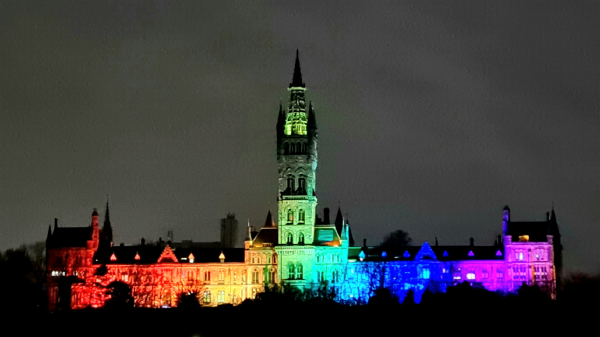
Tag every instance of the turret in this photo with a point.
(505, 220)
(106, 235)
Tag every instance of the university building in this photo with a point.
(295, 247)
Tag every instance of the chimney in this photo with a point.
(326, 215)
(143, 242)
(472, 242)
(436, 241)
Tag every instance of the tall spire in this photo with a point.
(106, 236)
(269, 221)
(297, 79)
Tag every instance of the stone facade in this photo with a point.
(295, 248)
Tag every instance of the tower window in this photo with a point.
(290, 215)
(290, 183)
(301, 238)
(302, 184)
(290, 238)
(301, 216)
(291, 271)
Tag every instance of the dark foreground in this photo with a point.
(310, 320)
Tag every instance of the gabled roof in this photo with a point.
(266, 235)
(69, 237)
(150, 254)
(439, 253)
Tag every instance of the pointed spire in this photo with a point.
(339, 221)
(106, 235)
(552, 214)
(297, 79)
(49, 232)
(269, 222)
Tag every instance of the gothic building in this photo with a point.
(295, 247)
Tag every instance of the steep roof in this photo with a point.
(149, 254)
(266, 235)
(69, 237)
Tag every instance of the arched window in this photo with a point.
(299, 271)
(274, 258)
(291, 271)
(302, 184)
(290, 238)
(268, 259)
(273, 276)
(301, 238)
(292, 148)
(255, 276)
(320, 277)
(207, 275)
(290, 183)
(221, 275)
(286, 148)
(290, 215)
(206, 297)
(301, 215)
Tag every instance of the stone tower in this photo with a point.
(297, 201)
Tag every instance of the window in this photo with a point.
(500, 273)
(301, 213)
(235, 276)
(425, 273)
(290, 215)
(291, 271)
(207, 276)
(484, 273)
(221, 275)
(320, 276)
(221, 296)
(471, 275)
(299, 271)
(301, 238)
(290, 183)
(274, 258)
(255, 276)
(335, 276)
(206, 297)
(268, 259)
(302, 184)
(290, 238)
(273, 277)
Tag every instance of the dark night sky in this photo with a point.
(432, 115)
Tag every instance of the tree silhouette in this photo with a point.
(395, 241)
(119, 296)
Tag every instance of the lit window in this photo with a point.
(206, 297)
(425, 273)
(471, 276)
(520, 256)
(221, 296)
(299, 271)
(301, 214)
(255, 276)
(291, 271)
(290, 238)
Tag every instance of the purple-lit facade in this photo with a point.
(527, 253)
